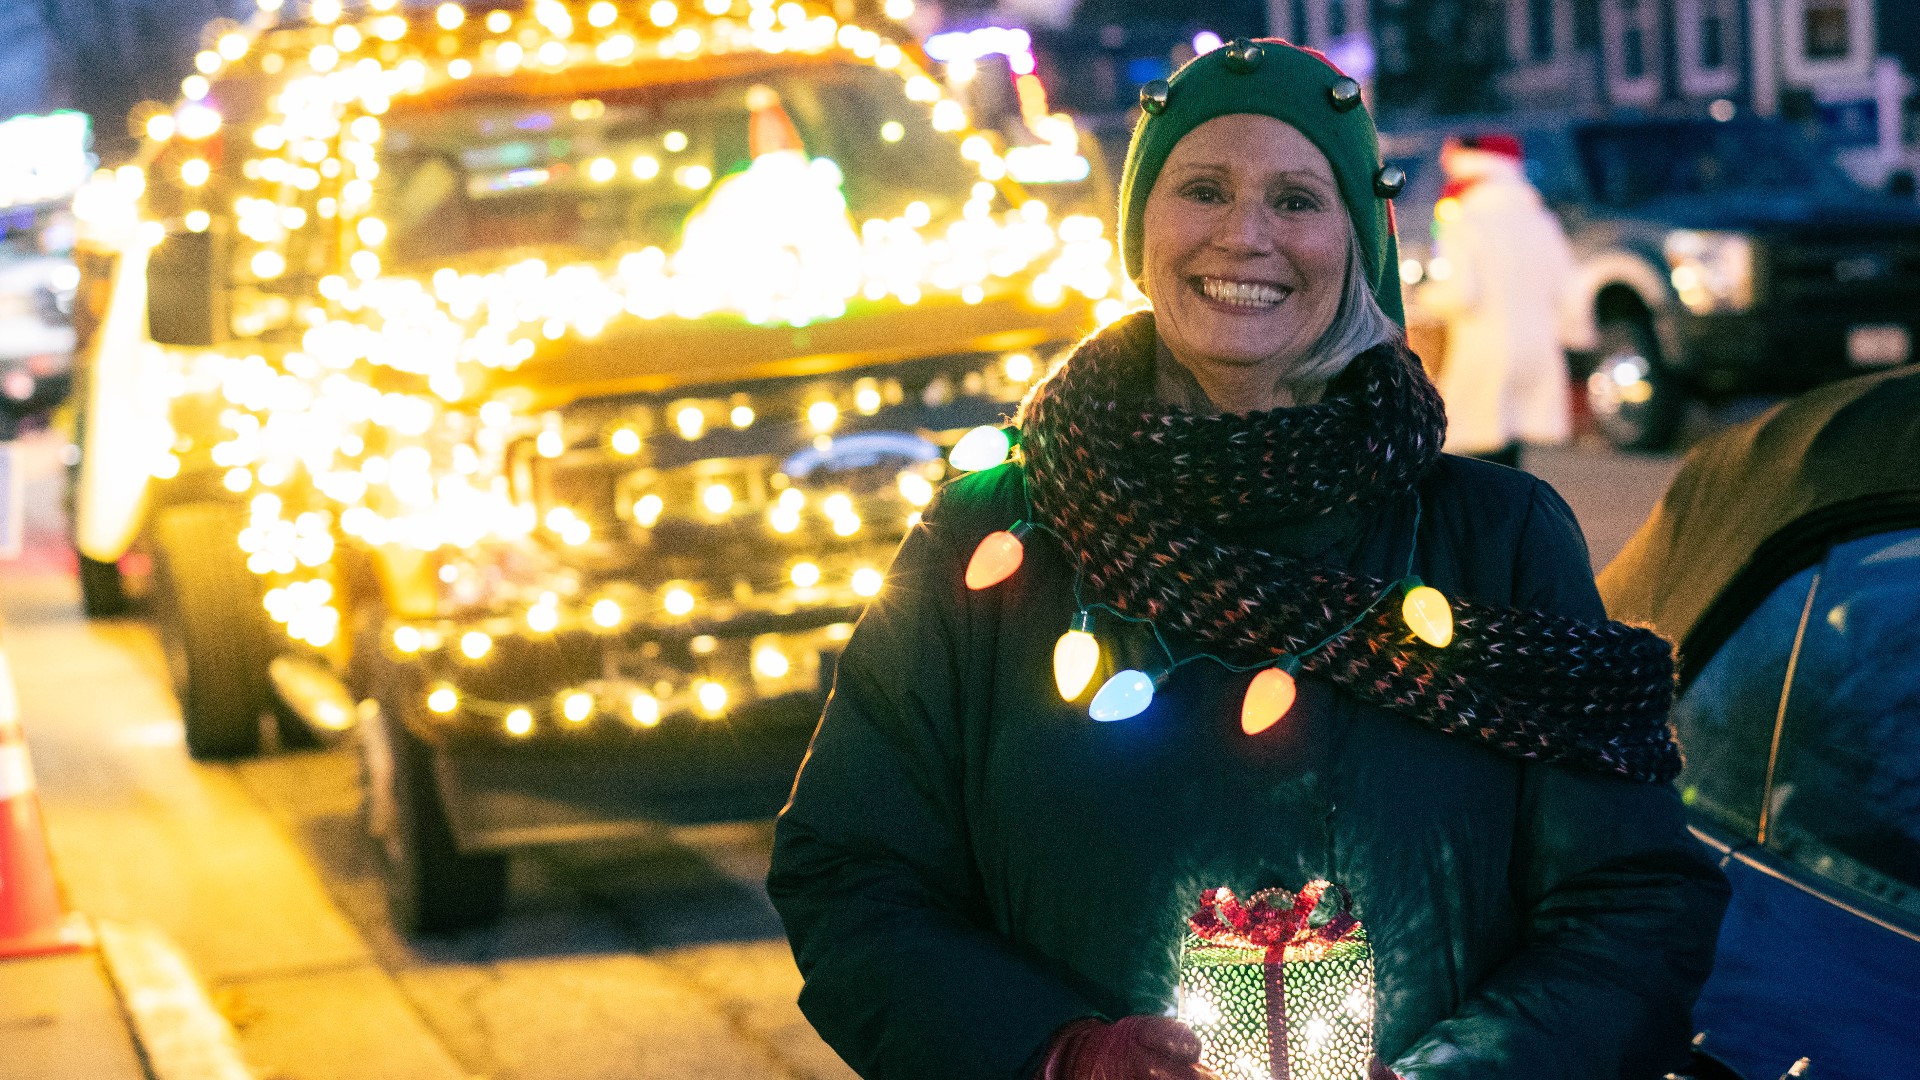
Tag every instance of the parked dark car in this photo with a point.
(1715, 258)
(1785, 562)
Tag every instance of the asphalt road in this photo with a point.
(657, 960)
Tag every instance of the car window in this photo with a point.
(1628, 164)
(627, 168)
(1724, 720)
(1845, 802)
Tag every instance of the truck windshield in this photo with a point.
(1627, 164)
(625, 168)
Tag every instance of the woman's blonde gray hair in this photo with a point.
(1358, 325)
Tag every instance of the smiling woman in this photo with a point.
(1253, 266)
(1308, 660)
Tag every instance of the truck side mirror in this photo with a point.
(184, 298)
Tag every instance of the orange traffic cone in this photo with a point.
(32, 920)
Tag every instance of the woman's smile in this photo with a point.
(1238, 296)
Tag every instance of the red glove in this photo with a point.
(1131, 1048)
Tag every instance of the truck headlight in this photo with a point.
(1711, 271)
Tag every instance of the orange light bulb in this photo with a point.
(997, 557)
(1268, 698)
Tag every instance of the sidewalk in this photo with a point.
(60, 1019)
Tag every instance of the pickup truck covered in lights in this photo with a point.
(541, 393)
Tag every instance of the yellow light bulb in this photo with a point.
(822, 415)
(443, 700)
(577, 707)
(678, 601)
(771, 662)
(407, 639)
(1075, 657)
(647, 509)
(475, 644)
(625, 442)
(645, 710)
(606, 613)
(717, 498)
(805, 574)
(542, 618)
(519, 723)
(1428, 615)
(712, 697)
(867, 581)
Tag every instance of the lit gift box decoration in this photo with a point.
(1273, 996)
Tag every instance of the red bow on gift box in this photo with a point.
(1274, 920)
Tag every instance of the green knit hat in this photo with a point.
(1270, 77)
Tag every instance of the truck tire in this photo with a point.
(217, 638)
(103, 594)
(1635, 402)
(432, 887)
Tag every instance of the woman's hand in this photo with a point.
(1131, 1048)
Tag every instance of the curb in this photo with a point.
(179, 1033)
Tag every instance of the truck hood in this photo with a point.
(635, 356)
(1764, 211)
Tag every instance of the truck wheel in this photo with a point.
(1635, 403)
(102, 594)
(432, 887)
(217, 638)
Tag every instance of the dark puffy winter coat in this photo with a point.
(967, 862)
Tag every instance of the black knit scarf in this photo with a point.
(1134, 490)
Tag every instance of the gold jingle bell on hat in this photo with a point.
(1242, 56)
(1153, 97)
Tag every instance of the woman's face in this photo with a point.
(1246, 246)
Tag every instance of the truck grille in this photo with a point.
(1845, 271)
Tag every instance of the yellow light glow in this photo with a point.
(899, 10)
(232, 45)
(550, 444)
(601, 14)
(407, 639)
(450, 16)
(741, 416)
(1019, 366)
(771, 662)
(712, 697)
(346, 38)
(606, 613)
(238, 479)
(846, 524)
(893, 131)
(499, 22)
(207, 61)
(646, 167)
(160, 127)
(475, 644)
(822, 415)
(691, 421)
(718, 7)
(866, 400)
(625, 441)
(678, 601)
(519, 723)
(198, 221)
(543, 618)
(804, 574)
(674, 141)
(372, 230)
(867, 581)
(601, 170)
(694, 177)
(195, 87)
(915, 488)
(647, 509)
(1075, 657)
(717, 498)
(576, 707)
(194, 172)
(443, 700)
(663, 13)
(645, 709)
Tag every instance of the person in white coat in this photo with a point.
(1508, 268)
